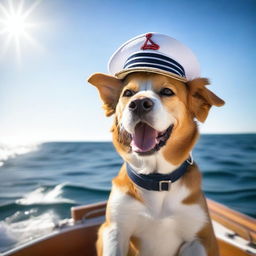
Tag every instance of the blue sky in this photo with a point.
(44, 95)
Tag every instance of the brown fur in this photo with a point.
(192, 100)
(192, 180)
(109, 88)
(201, 99)
(126, 185)
(206, 234)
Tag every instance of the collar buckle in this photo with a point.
(165, 185)
(190, 160)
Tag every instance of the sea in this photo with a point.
(41, 182)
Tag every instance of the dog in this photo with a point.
(154, 131)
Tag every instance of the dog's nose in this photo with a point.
(141, 106)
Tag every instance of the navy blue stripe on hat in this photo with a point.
(154, 60)
(155, 66)
(156, 55)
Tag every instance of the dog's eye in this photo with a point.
(128, 93)
(166, 92)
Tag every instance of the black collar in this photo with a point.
(157, 181)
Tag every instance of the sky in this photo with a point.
(44, 95)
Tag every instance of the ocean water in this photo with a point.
(39, 183)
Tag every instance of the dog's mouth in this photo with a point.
(146, 140)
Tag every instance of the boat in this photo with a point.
(236, 233)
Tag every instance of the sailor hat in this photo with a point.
(156, 53)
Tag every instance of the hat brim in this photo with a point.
(122, 74)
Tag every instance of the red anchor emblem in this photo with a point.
(149, 44)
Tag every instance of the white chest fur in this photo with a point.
(162, 222)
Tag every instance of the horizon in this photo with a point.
(44, 94)
(11, 143)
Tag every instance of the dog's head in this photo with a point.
(155, 113)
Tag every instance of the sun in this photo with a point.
(15, 25)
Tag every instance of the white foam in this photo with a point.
(11, 150)
(41, 196)
(13, 234)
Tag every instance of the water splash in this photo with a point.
(13, 234)
(43, 196)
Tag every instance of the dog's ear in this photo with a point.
(201, 99)
(109, 89)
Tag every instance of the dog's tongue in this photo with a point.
(144, 138)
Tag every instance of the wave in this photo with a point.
(46, 195)
(38, 212)
(42, 195)
(11, 151)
